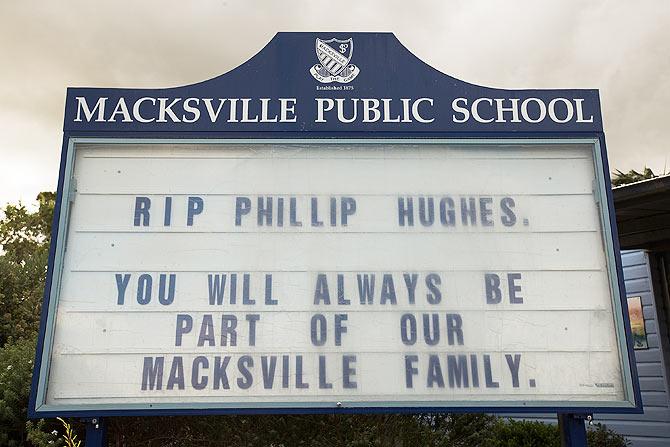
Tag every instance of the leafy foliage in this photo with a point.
(39, 435)
(632, 176)
(24, 239)
(429, 430)
(601, 436)
(511, 433)
(275, 430)
(16, 361)
(459, 430)
(69, 436)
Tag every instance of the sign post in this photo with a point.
(96, 432)
(326, 229)
(573, 431)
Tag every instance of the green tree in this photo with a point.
(24, 240)
(16, 363)
(24, 244)
(620, 178)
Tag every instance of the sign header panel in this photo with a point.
(356, 82)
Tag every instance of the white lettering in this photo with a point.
(121, 109)
(552, 110)
(459, 109)
(82, 105)
(321, 107)
(164, 108)
(514, 109)
(415, 110)
(245, 112)
(264, 112)
(371, 105)
(285, 109)
(136, 110)
(190, 109)
(340, 110)
(475, 110)
(387, 112)
(580, 112)
(213, 115)
(406, 115)
(233, 110)
(524, 110)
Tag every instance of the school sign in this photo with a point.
(333, 226)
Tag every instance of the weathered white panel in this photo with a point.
(461, 290)
(375, 213)
(551, 384)
(316, 170)
(140, 320)
(119, 333)
(330, 251)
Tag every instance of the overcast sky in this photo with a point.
(619, 47)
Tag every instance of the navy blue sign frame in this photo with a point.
(287, 92)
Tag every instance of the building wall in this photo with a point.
(651, 429)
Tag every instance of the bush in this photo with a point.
(511, 433)
(16, 363)
(601, 436)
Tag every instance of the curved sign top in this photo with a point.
(315, 82)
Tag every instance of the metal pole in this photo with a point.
(573, 430)
(96, 433)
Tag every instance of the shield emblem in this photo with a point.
(334, 54)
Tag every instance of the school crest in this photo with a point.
(334, 65)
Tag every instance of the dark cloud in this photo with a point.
(622, 48)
